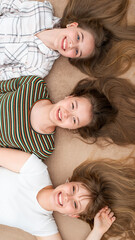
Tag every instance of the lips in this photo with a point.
(60, 199)
(64, 44)
(59, 115)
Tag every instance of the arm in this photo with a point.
(56, 236)
(102, 222)
(13, 159)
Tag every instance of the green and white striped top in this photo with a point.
(17, 97)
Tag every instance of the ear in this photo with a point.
(67, 180)
(73, 24)
(73, 215)
(68, 97)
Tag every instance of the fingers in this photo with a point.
(107, 213)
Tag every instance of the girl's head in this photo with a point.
(102, 111)
(87, 110)
(75, 42)
(110, 183)
(71, 198)
(81, 40)
(114, 47)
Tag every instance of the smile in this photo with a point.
(64, 44)
(59, 115)
(60, 199)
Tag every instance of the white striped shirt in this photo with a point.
(21, 52)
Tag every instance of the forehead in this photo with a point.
(82, 190)
(88, 44)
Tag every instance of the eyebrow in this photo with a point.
(77, 108)
(82, 41)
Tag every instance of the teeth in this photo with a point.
(64, 44)
(60, 199)
(59, 114)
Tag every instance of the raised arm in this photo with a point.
(102, 222)
(13, 159)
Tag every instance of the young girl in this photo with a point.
(114, 39)
(28, 198)
(28, 118)
(30, 42)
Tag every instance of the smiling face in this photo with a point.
(74, 42)
(70, 198)
(71, 113)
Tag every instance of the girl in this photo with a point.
(30, 42)
(28, 118)
(28, 198)
(114, 40)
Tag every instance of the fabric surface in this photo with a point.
(22, 53)
(70, 151)
(17, 97)
(18, 202)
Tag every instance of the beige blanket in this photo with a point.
(70, 151)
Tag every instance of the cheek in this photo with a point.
(70, 53)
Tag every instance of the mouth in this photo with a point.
(60, 201)
(64, 44)
(59, 115)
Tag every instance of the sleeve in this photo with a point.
(16, 6)
(14, 83)
(44, 155)
(11, 6)
(16, 71)
(34, 173)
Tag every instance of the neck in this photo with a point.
(48, 37)
(40, 117)
(43, 198)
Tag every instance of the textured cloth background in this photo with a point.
(70, 151)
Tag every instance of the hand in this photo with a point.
(103, 220)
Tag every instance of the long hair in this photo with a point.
(113, 106)
(103, 112)
(114, 40)
(121, 94)
(110, 183)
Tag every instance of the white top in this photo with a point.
(21, 52)
(18, 198)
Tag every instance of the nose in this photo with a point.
(66, 114)
(68, 197)
(72, 44)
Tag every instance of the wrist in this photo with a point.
(95, 235)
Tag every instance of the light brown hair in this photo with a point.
(110, 183)
(114, 40)
(113, 109)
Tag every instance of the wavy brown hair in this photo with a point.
(114, 40)
(113, 106)
(110, 183)
(103, 112)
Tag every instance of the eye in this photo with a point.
(73, 106)
(78, 37)
(73, 189)
(75, 205)
(76, 51)
(74, 120)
